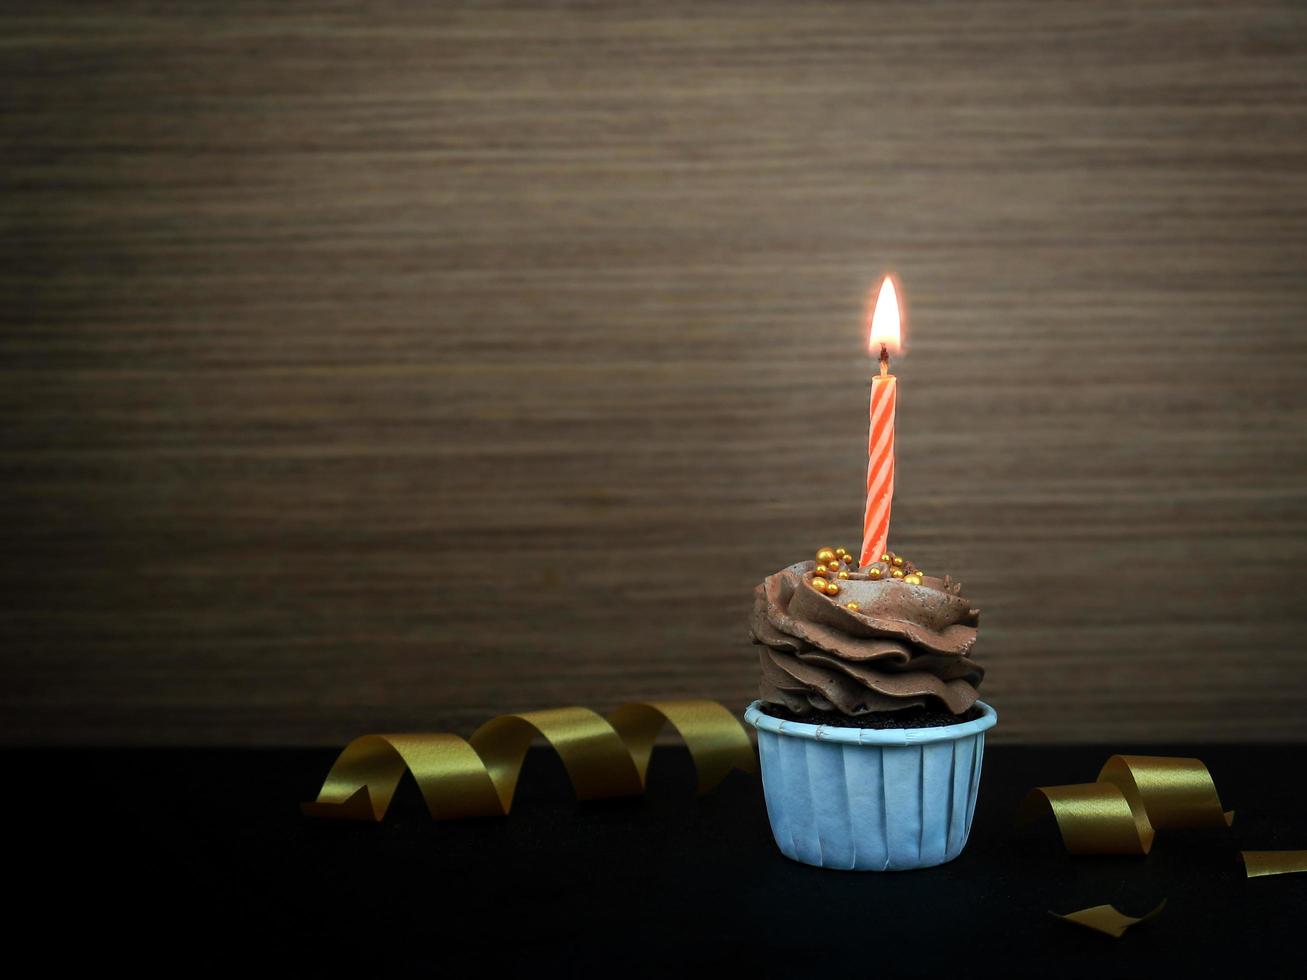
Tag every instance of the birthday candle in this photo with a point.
(883, 336)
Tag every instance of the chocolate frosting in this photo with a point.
(905, 645)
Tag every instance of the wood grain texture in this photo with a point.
(389, 366)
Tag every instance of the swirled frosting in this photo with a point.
(905, 644)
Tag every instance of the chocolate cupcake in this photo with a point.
(870, 731)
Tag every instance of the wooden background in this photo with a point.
(390, 366)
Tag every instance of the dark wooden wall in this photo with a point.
(389, 366)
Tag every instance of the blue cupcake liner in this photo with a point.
(863, 799)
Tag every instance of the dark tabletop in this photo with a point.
(179, 857)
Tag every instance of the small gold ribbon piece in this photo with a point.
(1259, 863)
(477, 777)
(1135, 796)
(1106, 919)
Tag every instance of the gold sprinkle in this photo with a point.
(820, 584)
(832, 588)
(853, 606)
(874, 573)
(912, 579)
(886, 557)
(841, 552)
(844, 575)
(897, 573)
(821, 569)
(825, 554)
(898, 559)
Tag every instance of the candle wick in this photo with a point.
(884, 360)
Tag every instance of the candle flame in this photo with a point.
(885, 320)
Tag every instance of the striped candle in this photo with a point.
(880, 469)
(884, 334)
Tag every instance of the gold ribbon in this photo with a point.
(1106, 919)
(477, 777)
(1135, 796)
(1259, 863)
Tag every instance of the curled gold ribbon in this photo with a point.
(1135, 796)
(477, 777)
(1106, 919)
(1259, 863)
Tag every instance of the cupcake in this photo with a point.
(869, 728)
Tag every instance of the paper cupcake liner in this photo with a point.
(870, 799)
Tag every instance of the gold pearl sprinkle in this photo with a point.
(825, 554)
(820, 584)
(897, 573)
(874, 573)
(832, 588)
(844, 575)
(898, 560)
(853, 606)
(886, 557)
(841, 552)
(821, 569)
(912, 579)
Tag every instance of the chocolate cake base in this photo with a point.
(920, 716)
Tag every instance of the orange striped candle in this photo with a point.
(884, 335)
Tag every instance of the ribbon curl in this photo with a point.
(1107, 920)
(1261, 863)
(1135, 796)
(477, 777)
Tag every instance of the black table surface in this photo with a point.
(173, 859)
